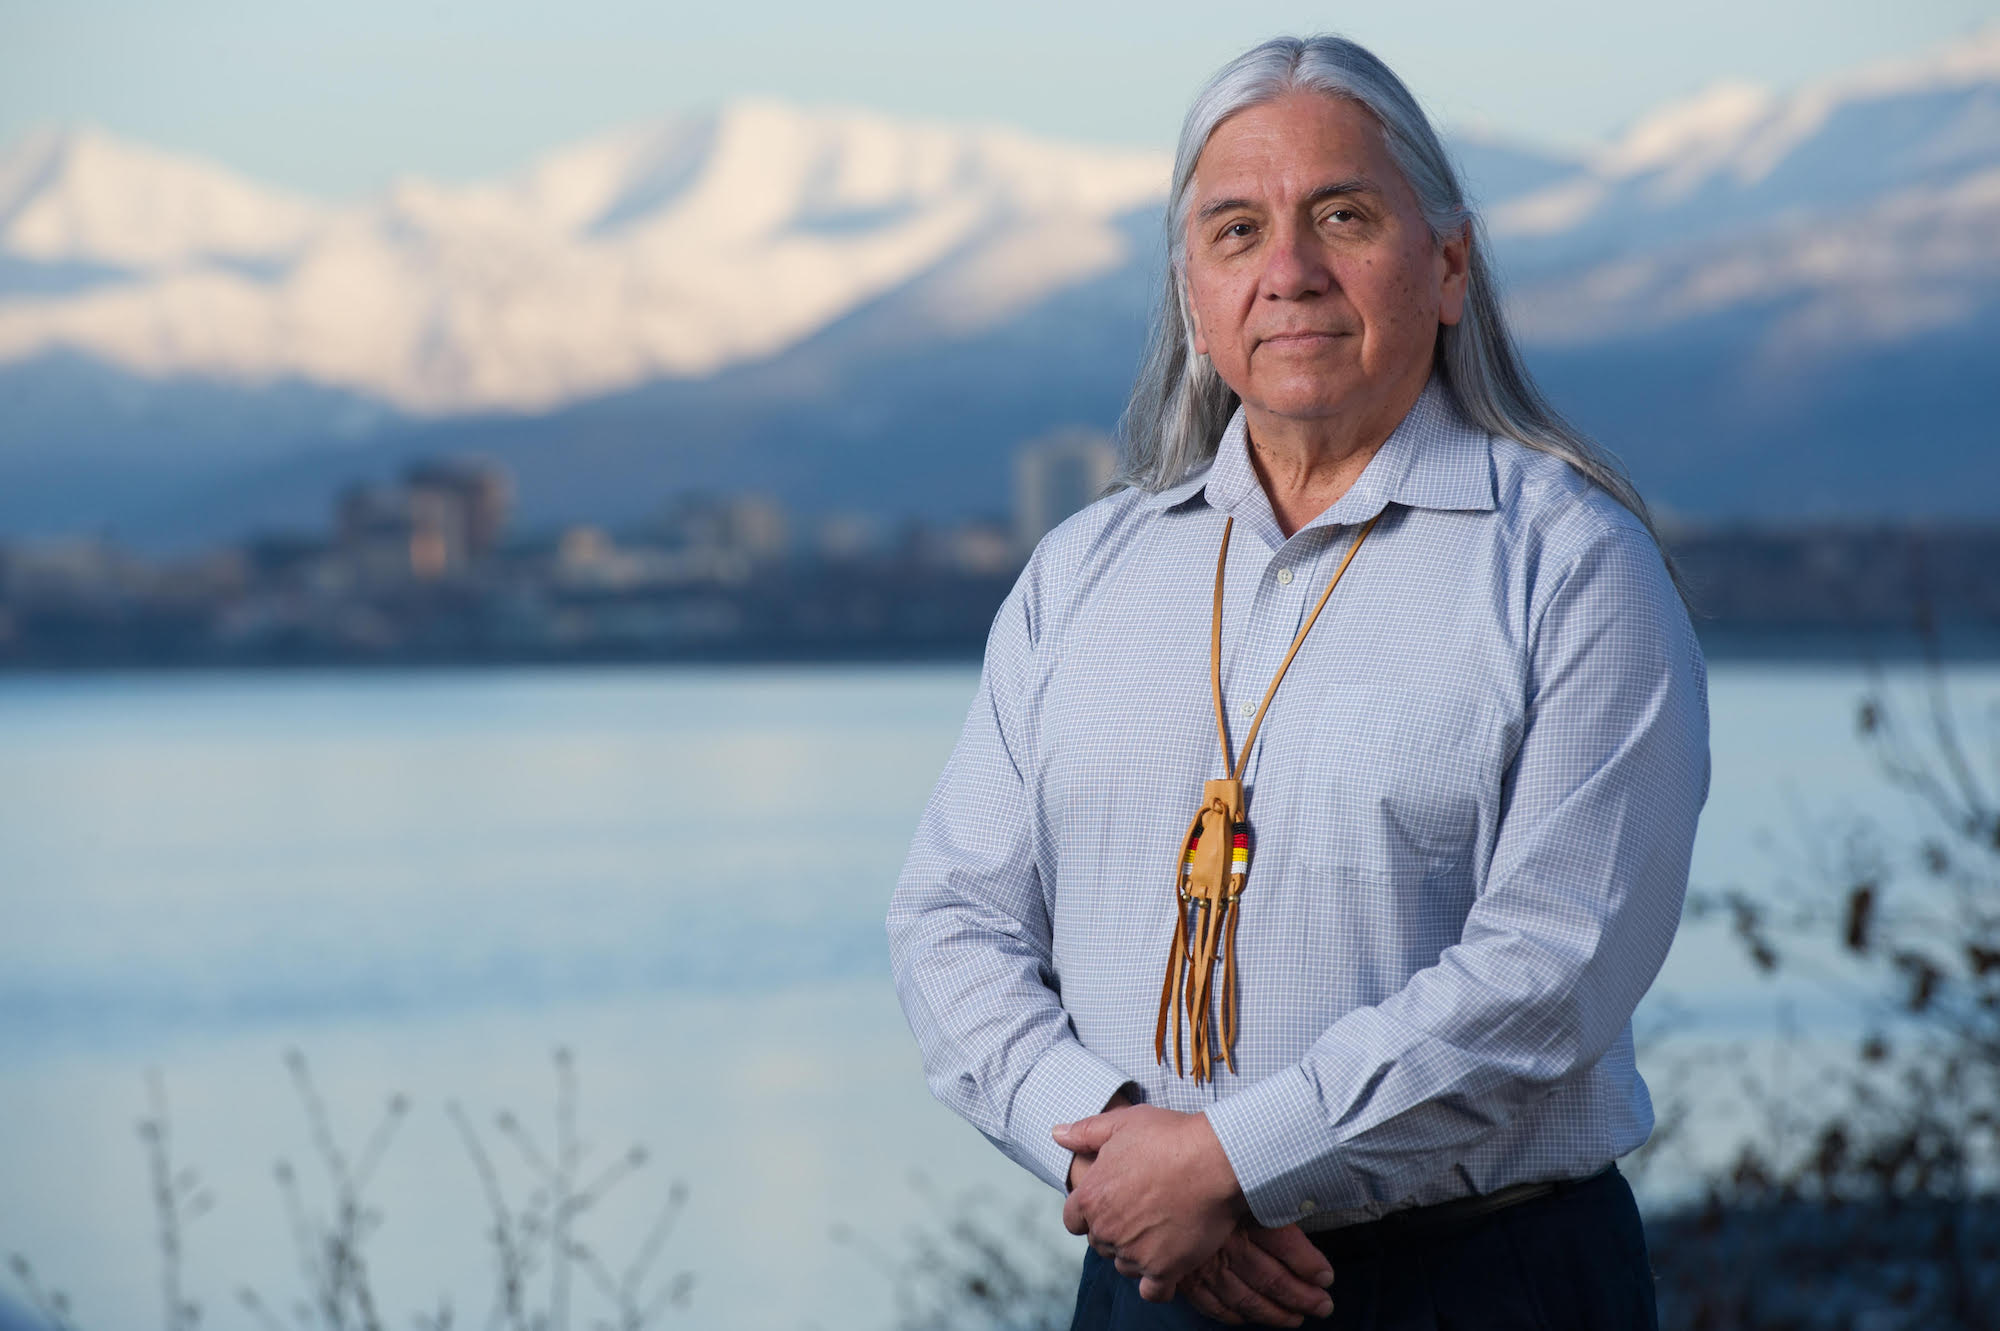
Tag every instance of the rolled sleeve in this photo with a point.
(969, 933)
(1579, 906)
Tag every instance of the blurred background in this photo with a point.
(500, 507)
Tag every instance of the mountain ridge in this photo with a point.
(776, 281)
(670, 250)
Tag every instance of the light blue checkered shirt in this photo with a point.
(1472, 806)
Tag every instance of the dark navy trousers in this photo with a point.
(1572, 1261)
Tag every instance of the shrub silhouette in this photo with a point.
(539, 1249)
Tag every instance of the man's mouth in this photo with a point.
(1301, 337)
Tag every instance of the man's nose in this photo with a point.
(1295, 266)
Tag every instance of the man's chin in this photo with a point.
(1324, 398)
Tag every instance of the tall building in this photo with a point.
(447, 516)
(461, 505)
(1057, 474)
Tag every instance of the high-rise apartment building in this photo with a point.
(1057, 474)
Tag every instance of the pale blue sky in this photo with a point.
(335, 98)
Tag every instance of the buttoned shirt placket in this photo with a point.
(1268, 590)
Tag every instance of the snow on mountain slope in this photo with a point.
(664, 252)
(1878, 273)
(1737, 155)
(79, 195)
(1857, 214)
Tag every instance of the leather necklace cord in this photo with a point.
(1236, 768)
(1216, 873)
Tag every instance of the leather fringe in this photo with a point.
(1204, 936)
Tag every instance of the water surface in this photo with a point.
(429, 880)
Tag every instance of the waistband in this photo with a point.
(1454, 1214)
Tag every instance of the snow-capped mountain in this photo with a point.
(116, 210)
(1747, 294)
(1857, 212)
(1776, 304)
(673, 250)
(1877, 272)
(1739, 155)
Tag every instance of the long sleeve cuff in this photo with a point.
(1283, 1151)
(1067, 1083)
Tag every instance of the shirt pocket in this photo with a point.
(1413, 785)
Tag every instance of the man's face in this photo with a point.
(1316, 285)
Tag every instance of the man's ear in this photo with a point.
(1455, 259)
(1194, 322)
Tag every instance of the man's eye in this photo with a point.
(1237, 230)
(1341, 215)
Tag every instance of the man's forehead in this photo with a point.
(1294, 146)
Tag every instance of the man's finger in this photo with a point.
(1079, 1165)
(1074, 1220)
(1127, 1267)
(1155, 1290)
(1289, 1244)
(1196, 1291)
(1232, 1292)
(1272, 1279)
(1086, 1134)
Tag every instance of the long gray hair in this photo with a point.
(1180, 405)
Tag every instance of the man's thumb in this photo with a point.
(1086, 1134)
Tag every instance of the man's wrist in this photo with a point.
(1122, 1098)
(1219, 1173)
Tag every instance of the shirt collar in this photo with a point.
(1434, 458)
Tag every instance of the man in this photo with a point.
(1406, 648)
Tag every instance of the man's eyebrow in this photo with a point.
(1352, 185)
(1220, 206)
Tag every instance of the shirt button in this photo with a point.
(1284, 577)
(1307, 1206)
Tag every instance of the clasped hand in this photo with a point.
(1155, 1193)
